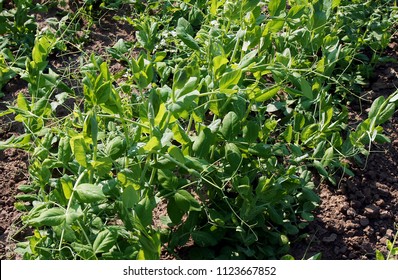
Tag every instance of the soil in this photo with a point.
(357, 217)
(354, 219)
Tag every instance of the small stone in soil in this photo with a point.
(368, 231)
(389, 233)
(372, 211)
(364, 221)
(330, 238)
(385, 214)
(351, 212)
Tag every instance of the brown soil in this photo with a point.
(357, 218)
(353, 221)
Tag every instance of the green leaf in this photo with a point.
(103, 92)
(306, 89)
(127, 177)
(153, 144)
(203, 238)
(376, 106)
(230, 79)
(218, 64)
(130, 197)
(328, 156)
(144, 210)
(180, 135)
(203, 142)
(116, 147)
(176, 153)
(250, 131)
(174, 212)
(78, 149)
(49, 217)
(22, 103)
(41, 50)
(186, 202)
(307, 216)
(89, 193)
(104, 241)
(233, 156)
(321, 169)
(103, 166)
(67, 186)
(230, 127)
(183, 30)
(167, 179)
(386, 114)
(379, 256)
(275, 7)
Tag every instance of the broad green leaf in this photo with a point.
(296, 12)
(89, 193)
(64, 150)
(130, 196)
(288, 134)
(174, 212)
(381, 110)
(386, 114)
(41, 50)
(230, 127)
(328, 156)
(213, 7)
(153, 144)
(49, 217)
(307, 216)
(103, 92)
(176, 153)
(203, 142)
(180, 135)
(376, 107)
(186, 202)
(79, 149)
(320, 168)
(104, 241)
(116, 147)
(230, 79)
(251, 131)
(102, 165)
(144, 210)
(128, 178)
(309, 131)
(167, 179)
(22, 102)
(248, 59)
(203, 238)
(306, 89)
(275, 7)
(188, 87)
(183, 30)
(73, 213)
(218, 64)
(233, 156)
(274, 215)
(67, 186)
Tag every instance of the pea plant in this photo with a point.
(224, 115)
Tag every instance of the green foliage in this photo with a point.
(224, 115)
